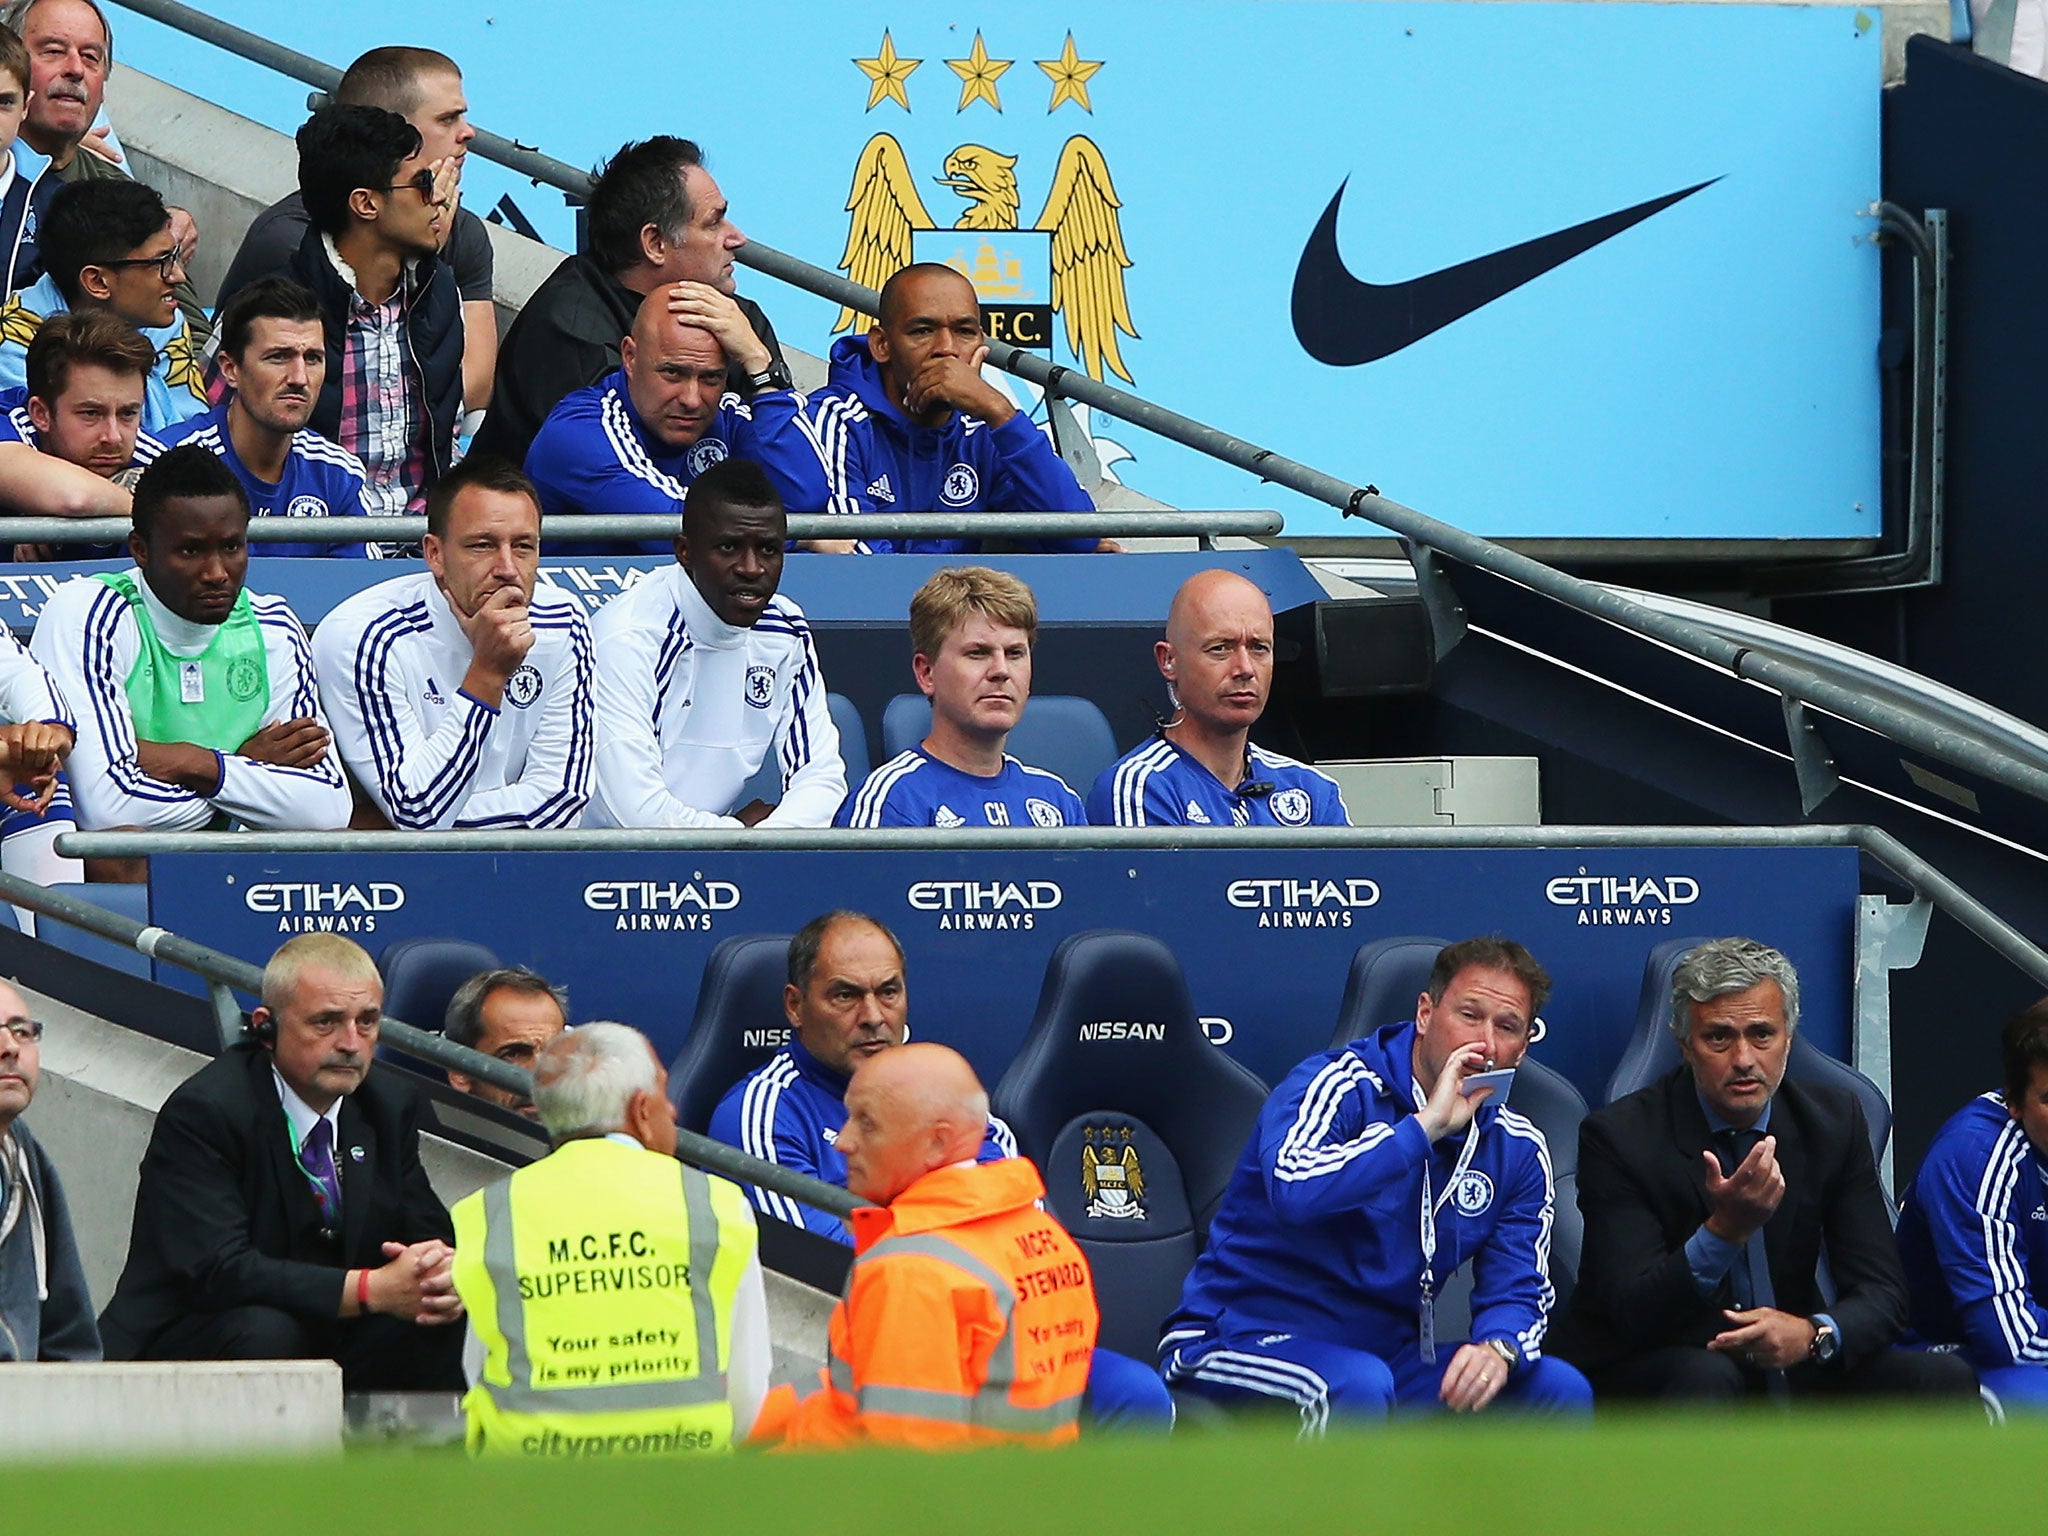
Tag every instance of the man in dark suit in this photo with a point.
(1707, 1198)
(283, 1211)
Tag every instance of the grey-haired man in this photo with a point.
(1708, 1197)
(45, 1309)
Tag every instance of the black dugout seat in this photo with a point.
(1132, 1116)
(738, 1025)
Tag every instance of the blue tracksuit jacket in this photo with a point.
(1156, 784)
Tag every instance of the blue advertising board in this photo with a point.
(1570, 271)
(1265, 937)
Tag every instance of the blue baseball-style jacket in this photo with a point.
(594, 454)
(1320, 1232)
(1156, 784)
(789, 1112)
(1974, 1238)
(878, 460)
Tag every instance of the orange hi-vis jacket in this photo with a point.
(969, 1319)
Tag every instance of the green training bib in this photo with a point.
(216, 699)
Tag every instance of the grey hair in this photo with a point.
(464, 1021)
(586, 1077)
(14, 16)
(1721, 967)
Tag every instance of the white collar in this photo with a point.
(706, 628)
(348, 273)
(181, 637)
(7, 173)
(301, 1116)
(624, 1140)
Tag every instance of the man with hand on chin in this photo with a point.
(1708, 1196)
(908, 424)
(1372, 1176)
(283, 1212)
(461, 696)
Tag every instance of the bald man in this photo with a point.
(970, 1316)
(636, 439)
(907, 423)
(1201, 768)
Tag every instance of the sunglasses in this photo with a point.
(421, 181)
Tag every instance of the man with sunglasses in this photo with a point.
(107, 246)
(283, 1212)
(45, 1309)
(389, 307)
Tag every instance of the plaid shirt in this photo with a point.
(383, 420)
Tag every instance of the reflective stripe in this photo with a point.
(990, 1406)
(501, 1264)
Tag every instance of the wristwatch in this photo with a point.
(1505, 1348)
(771, 377)
(1827, 1343)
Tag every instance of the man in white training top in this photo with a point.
(195, 698)
(703, 670)
(461, 695)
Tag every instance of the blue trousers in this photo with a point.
(1125, 1394)
(2019, 1388)
(1321, 1380)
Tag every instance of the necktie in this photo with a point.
(316, 1156)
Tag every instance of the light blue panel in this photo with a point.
(1708, 373)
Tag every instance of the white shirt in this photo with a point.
(302, 1116)
(689, 706)
(87, 640)
(392, 659)
(26, 693)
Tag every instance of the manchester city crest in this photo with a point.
(1110, 1175)
(523, 686)
(1473, 1193)
(1291, 807)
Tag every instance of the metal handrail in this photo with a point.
(224, 975)
(635, 526)
(1421, 533)
(1923, 878)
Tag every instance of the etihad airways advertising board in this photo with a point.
(1574, 271)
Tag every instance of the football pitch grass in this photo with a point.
(1662, 1476)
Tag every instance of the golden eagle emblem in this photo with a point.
(18, 323)
(1080, 216)
(1110, 1175)
(182, 368)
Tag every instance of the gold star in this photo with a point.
(1070, 75)
(886, 74)
(978, 76)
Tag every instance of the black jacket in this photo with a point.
(567, 337)
(1643, 1192)
(433, 331)
(225, 1217)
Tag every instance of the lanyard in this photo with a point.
(1430, 1207)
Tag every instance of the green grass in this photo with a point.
(1662, 1476)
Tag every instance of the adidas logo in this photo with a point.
(946, 816)
(434, 692)
(1197, 816)
(880, 490)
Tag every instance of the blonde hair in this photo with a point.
(327, 951)
(943, 604)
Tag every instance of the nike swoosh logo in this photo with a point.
(1344, 322)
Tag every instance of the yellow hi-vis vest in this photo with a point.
(601, 1282)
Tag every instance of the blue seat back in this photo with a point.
(421, 976)
(738, 1025)
(130, 901)
(1116, 1068)
(766, 784)
(1059, 732)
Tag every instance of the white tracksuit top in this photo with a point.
(392, 659)
(689, 706)
(87, 641)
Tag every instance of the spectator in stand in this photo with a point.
(971, 632)
(461, 695)
(283, 1212)
(15, 184)
(656, 220)
(273, 357)
(388, 304)
(510, 1013)
(71, 438)
(45, 1308)
(1202, 769)
(70, 47)
(196, 699)
(704, 670)
(424, 88)
(107, 246)
(908, 424)
(633, 441)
